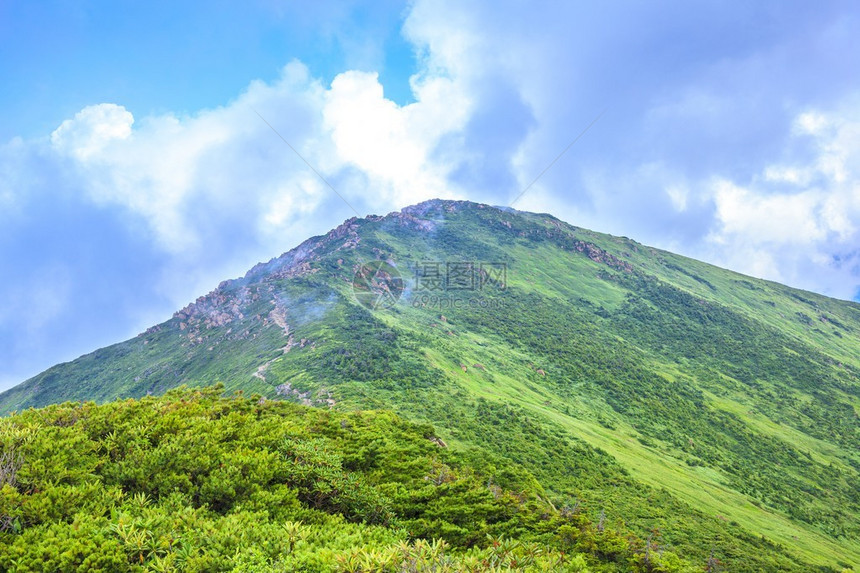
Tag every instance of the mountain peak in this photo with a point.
(438, 205)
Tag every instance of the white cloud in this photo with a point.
(805, 235)
(392, 145)
(678, 195)
(280, 208)
(762, 218)
(784, 174)
(92, 130)
(811, 123)
(171, 171)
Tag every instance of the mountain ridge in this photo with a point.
(686, 384)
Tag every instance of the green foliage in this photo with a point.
(195, 482)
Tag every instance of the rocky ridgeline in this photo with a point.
(411, 221)
(435, 207)
(225, 304)
(229, 301)
(564, 236)
(217, 309)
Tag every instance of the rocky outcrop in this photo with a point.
(438, 441)
(411, 221)
(598, 255)
(278, 316)
(434, 207)
(323, 397)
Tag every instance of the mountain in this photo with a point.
(714, 413)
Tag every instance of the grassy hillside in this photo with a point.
(197, 482)
(721, 411)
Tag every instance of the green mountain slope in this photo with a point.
(719, 410)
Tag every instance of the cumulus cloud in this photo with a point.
(93, 129)
(801, 219)
(177, 173)
(393, 146)
(760, 218)
(181, 174)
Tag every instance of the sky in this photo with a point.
(138, 168)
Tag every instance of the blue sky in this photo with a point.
(135, 174)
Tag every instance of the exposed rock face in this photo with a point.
(288, 264)
(438, 441)
(433, 207)
(348, 230)
(323, 396)
(216, 309)
(598, 255)
(225, 304)
(408, 220)
(278, 315)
